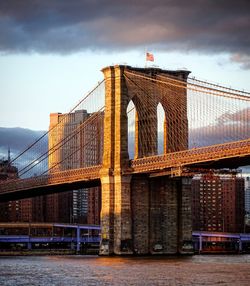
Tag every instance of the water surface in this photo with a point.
(94, 270)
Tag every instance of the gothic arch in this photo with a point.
(160, 128)
(131, 111)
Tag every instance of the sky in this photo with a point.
(52, 51)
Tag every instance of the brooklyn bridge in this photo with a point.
(176, 126)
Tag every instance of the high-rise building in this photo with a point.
(80, 147)
(218, 203)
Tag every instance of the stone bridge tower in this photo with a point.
(142, 214)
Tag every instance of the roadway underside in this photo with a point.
(46, 190)
(229, 163)
(201, 167)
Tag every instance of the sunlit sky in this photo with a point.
(51, 52)
(33, 85)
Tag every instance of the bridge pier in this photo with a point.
(140, 191)
(116, 216)
(107, 215)
(150, 216)
(122, 216)
(161, 214)
(185, 215)
(140, 215)
(116, 208)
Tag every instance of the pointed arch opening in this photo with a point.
(160, 128)
(131, 111)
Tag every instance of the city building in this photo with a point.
(247, 203)
(9, 211)
(218, 203)
(32, 209)
(26, 210)
(79, 147)
(247, 195)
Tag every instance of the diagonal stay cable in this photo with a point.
(63, 117)
(59, 144)
(75, 151)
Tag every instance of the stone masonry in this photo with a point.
(141, 215)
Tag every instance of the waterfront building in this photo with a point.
(218, 203)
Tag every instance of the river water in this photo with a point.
(94, 270)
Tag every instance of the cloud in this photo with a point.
(241, 117)
(62, 26)
(242, 59)
(18, 139)
(228, 127)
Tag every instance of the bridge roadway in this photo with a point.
(227, 155)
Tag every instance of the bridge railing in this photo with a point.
(74, 175)
(147, 164)
(192, 156)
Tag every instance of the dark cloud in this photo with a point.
(62, 26)
(18, 139)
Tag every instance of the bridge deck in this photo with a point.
(229, 155)
(48, 184)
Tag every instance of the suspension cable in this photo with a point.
(63, 117)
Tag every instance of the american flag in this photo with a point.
(149, 57)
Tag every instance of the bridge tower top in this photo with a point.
(151, 71)
(118, 93)
(122, 85)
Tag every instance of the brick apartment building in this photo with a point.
(218, 203)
